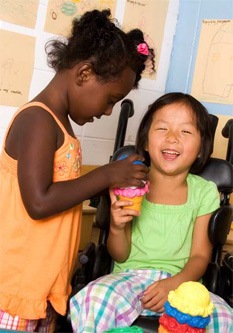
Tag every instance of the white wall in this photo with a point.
(97, 139)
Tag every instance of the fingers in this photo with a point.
(150, 287)
(157, 308)
(135, 157)
(153, 302)
(120, 216)
(137, 167)
(119, 204)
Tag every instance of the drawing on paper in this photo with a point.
(141, 14)
(61, 13)
(15, 69)
(19, 12)
(213, 76)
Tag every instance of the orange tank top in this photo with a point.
(37, 257)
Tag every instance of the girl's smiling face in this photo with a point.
(173, 140)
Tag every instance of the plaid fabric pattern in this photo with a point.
(114, 301)
(222, 317)
(46, 325)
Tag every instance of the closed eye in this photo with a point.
(187, 132)
(161, 129)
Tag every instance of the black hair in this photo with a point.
(96, 38)
(203, 123)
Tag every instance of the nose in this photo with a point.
(172, 137)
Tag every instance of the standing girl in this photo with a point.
(167, 243)
(40, 189)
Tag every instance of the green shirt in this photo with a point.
(162, 235)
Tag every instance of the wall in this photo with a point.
(183, 59)
(97, 139)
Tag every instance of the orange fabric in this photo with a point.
(37, 257)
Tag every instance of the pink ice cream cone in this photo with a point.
(133, 194)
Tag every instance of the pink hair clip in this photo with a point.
(143, 48)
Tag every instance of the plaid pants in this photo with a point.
(114, 301)
(46, 325)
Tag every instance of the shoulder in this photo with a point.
(34, 114)
(200, 184)
(29, 127)
(35, 121)
(204, 194)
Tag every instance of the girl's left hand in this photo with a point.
(156, 295)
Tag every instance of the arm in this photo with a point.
(156, 294)
(35, 136)
(119, 238)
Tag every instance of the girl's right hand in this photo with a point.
(120, 217)
(124, 173)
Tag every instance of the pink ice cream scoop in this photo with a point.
(131, 192)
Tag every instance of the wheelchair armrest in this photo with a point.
(103, 212)
(211, 277)
(219, 225)
(102, 264)
(83, 275)
(87, 254)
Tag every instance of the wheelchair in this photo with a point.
(97, 262)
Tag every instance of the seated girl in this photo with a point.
(167, 243)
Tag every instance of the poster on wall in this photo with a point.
(15, 69)
(150, 17)
(213, 74)
(20, 12)
(60, 13)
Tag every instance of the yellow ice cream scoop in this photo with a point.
(191, 298)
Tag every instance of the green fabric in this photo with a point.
(162, 235)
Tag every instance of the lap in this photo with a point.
(117, 297)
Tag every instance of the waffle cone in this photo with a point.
(137, 201)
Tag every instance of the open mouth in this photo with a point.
(170, 155)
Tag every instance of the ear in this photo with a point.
(83, 73)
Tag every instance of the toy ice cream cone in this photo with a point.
(188, 309)
(137, 201)
(133, 194)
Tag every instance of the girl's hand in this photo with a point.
(120, 217)
(156, 295)
(124, 173)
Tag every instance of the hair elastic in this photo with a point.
(143, 49)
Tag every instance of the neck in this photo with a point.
(167, 189)
(55, 95)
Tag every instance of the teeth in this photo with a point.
(170, 152)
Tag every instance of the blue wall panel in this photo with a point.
(185, 46)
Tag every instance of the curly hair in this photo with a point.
(203, 123)
(108, 49)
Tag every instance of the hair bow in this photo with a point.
(143, 48)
